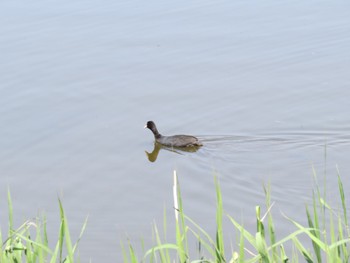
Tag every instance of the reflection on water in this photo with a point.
(152, 157)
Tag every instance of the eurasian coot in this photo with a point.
(174, 140)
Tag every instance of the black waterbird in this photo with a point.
(174, 140)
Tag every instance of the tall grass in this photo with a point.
(327, 231)
(29, 242)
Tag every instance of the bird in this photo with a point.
(174, 140)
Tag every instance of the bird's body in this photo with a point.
(174, 140)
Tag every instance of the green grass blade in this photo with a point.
(46, 240)
(159, 242)
(343, 247)
(259, 224)
(288, 238)
(1, 251)
(271, 227)
(249, 237)
(283, 255)
(55, 253)
(161, 247)
(339, 243)
(38, 253)
(38, 244)
(180, 226)
(180, 244)
(241, 245)
(315, 231)
(10, 211)
(262, 247)
(220, 257)
(307, 231)
(67, 238)
(132, 254)
(303, 251)
(208, 246)
(125, 257)
(342, 198)
(80, 235)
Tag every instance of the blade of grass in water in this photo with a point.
(332, 252)
(262, 247)
(10, 210)
(132, 254)
(303, 250)
(210, 245)
(307, 231)
(20, 247)
(271, 227)
(219, 232)
(61, 240)
(315, 231)
(32, 242)
(125, 257)
(37, 251)
(1, 251)
(80, 236)
(241, 245)
(68, 241)
(273, 252)
(55, 253)
(342, 198)
(259, 225)
(249, 237)
(283, 256)
(162, 255)
(45, 238)
(181, 229)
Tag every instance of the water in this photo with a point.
(263, 84)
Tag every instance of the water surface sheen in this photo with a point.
(264, 85)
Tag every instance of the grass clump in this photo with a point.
(327, 232)
(29, 242)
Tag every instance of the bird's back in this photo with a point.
(179, 141)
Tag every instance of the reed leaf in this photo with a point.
(249, 237)
(159, 242)
(262, 247)
(10, 211)
(342, 198)
(132, 254)
(67, 239)
(180, 226)
(271, 227)
(303, 250)
(220, 255)
(315, 230)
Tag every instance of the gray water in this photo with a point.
(264, 85)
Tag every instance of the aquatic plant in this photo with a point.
(29, 242)
(327, 230)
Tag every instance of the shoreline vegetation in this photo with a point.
(327, 233)
(29, 242)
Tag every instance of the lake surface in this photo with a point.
(264, 85)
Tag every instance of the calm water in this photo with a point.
(264, 84)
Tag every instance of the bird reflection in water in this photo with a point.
(152, 157)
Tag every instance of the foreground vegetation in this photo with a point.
(29, 242)
(327, 231)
